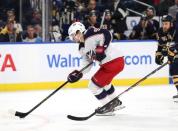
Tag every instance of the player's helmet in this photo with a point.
(77, 26)
(167, 18)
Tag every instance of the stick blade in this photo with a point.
(80, 118)
(77, 118)
(21, 114)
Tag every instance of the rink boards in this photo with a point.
(46, 65)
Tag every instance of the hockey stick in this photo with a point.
(102, 21)
(138, 82)
(22, 115)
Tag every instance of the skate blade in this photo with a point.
(119, 108)
(106, 114)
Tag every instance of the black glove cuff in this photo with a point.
(100, 57)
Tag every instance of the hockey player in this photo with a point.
(167, 47)
(95, 44)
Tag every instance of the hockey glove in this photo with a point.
(99, 53)
(159, 58)
(172, 51)
(172, 54)
(173, 59)
(74, 76)
(164, 51)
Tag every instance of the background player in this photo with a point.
(169, 48)
(94, 44)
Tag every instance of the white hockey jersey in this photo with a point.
(94, 37)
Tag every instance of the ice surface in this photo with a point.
(148, 108)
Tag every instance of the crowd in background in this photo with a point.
(29, 29)
(109, 14)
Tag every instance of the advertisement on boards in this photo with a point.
(37, 63)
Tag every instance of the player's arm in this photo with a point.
(159, 57)
(173, 53)
(86, 58)
(172, 46)
(100, 49)
(76, 75)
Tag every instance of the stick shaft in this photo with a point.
(144, 78)
(102, 21)
(47, 97)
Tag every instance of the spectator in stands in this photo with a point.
(1, 25)
(173, 10)
(107, 23)
(67, 16)
(36, 18)
(80, 5)
(92, 20)
(38, 30)
(119, 19)
(31, 36)
(150, 18)
(55, 34)
(80, 14)
(11, 4)
(143, 30)
(92, 5)
(147, 27)
(55, 11)
(9, 34)
(11, 15)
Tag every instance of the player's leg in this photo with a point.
(175, 80)
(101, 95)
(112, 94)
(174, 74)
(175, 97)
(107, 72)
(104, 76)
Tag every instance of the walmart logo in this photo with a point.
(60, 61)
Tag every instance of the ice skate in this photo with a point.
(175, 98)
(106, 111)
(118, 105)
